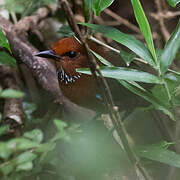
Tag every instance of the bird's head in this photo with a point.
(68, 54)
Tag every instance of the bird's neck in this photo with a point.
(66, 78)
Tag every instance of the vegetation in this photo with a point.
(68, 150)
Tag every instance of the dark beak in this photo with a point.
(48, 54)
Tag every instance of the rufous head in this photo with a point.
(69, 55)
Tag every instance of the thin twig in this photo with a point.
(103, 44)
(164, 30)
(29, 22)
(114, 113)
(165, 15)
(122, 21)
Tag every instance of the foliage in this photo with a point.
(6, 58)
(19, 154)
(27, 155)
(25, 7)
(160, 63)
(96, 5)
(3, 41)
(11, 93)
(173, 3)
(159, 152)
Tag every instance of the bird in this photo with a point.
(69, 54)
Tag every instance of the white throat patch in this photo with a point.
(63, 77)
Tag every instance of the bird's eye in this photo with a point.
(71, 54)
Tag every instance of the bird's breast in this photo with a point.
(79, 88)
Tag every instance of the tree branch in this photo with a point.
(43, 70)
(13, 110)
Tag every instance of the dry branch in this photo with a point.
(164, 30)
(13, 110)
(43, 71)
(122, 21)
(30, 22)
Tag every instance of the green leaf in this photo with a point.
(87, 6)
(25, 166)
(100, 5)
(3, 41)
(160, 92)
(60, 125)
(11, 93)
(7, 169)
(127, 57)
(29, 108)
(101, 59)
(147, 96)
(170, 49)
(144, 26)
(160, 154)
(173, 3)
(19, 6)
(124, 74)
(6, 59)
(35, 135)
(127, 40)
(5, 151)
(46, 147)
(25, 157)
(21, 144)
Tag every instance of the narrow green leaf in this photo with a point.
(3, 41)
(135, 84)
(170, 50)
(101, 59)
(173, 3)
(11, 93)
(125, 74)
(160, 154)
(147, 96)
(144, 26)
(6, 59)
(87, 6)
(100, 5)
(158, 91)
(127, 40)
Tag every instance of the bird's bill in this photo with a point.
(48, 54)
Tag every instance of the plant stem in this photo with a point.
(175, 72)
(168, 92)
(114, 113)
